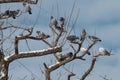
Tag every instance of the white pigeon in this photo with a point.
(27, 8)
(104, 52)
(83, 50)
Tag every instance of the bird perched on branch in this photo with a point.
(53, 22)
(62, 21)
(104, 52)
(60, 29)
(94, 38)
(27, 8)
(83, 35)
(72, 38)
(84, 51)
(62, 57)
(12, 14)
(42, 35)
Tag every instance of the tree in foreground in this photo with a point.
(60, 38)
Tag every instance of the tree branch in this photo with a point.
(11, 1)
(33, 53)
(89, 70)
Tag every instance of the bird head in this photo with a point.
(62, 19)
(25, 4)
(51, 17)
(101, 49)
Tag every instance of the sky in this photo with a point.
(97, 17)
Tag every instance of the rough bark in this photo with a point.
(11, 1)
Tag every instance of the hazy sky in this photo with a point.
(98, 17)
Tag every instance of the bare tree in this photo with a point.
(61, 37)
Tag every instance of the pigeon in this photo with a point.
(15, 13)
(53, 22)
(62, 21)
(40, 34)
(94, 38)
(60, 29)
(83, 50)
(83, 35)
(104, 52)
(27, 8)
(62, 57)
(72, 38)
(12, 14)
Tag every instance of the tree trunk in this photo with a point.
(4, 70)
(47, 74)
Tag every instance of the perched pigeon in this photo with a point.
(65, 56)
(60, 29)
(40, 34)
(15, 13)
(62, 21)
(94, 38)
(12, 14)
(27, 8)
(83, 50)
(104, 52)
(72, 38)
(83, 35)
(53, 22)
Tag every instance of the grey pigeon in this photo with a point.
(94, 38)
(65, 56)
(53, 22)
(62, 21)
(72, 38)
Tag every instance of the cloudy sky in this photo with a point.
(98, 17)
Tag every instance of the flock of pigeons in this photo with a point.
(54, 24)
(75, 39)
(59, 27)
(14, 13)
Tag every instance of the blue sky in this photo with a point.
(98, 17)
